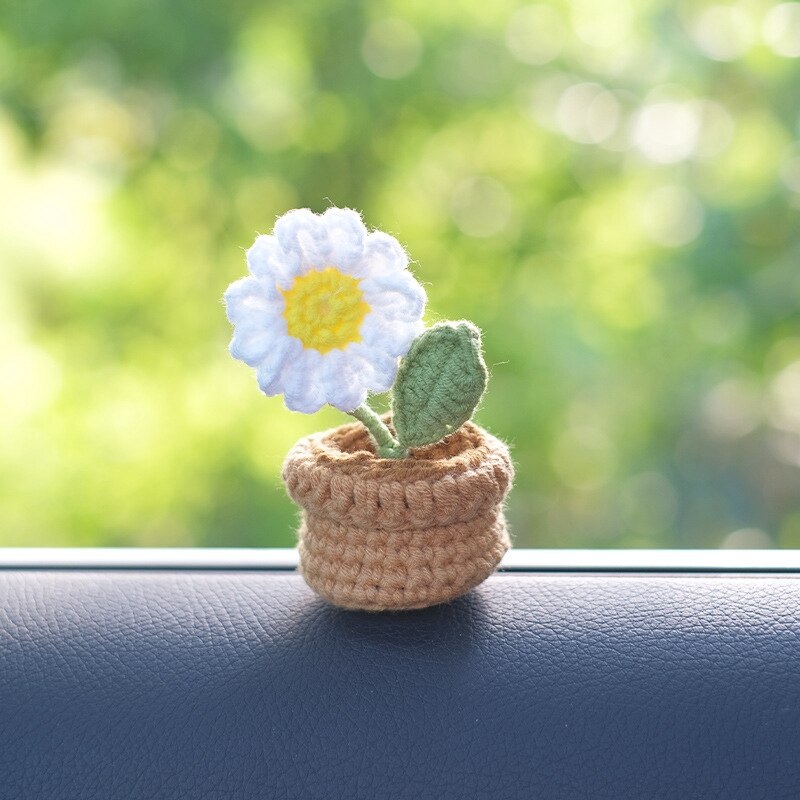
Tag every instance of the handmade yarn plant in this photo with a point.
(398, 512)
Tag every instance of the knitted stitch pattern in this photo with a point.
(390, 534)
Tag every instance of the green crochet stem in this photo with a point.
(438, 387)
(388, 446)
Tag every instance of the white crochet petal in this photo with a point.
(302, 234)
(382, 254)
(346, 236)
(269, 262)
(395, 295)
(250, 344)
(248, 300)
(303, 390)
(389, 336)
(376, 368)
(274, 368)
(342, 380)
(256, 314)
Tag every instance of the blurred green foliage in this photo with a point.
(610, 190)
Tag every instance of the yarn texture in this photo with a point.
(393, 534)
(395, 515)
(439, 384)
(327, 310)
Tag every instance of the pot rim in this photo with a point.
(348, 450)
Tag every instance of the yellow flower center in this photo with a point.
(324, 309)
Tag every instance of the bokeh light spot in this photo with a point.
(391, 48)
(666, 131)
(671, 215)
(481, 206)
(723, 32)
(732, 409)
(588, 113)
(747, 539)
(534, 34)
(782, 29)
(785, 396)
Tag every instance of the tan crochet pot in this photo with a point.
(386, 534)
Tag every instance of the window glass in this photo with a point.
(609, 190)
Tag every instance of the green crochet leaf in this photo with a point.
(439, 384)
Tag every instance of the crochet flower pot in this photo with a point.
(386, 534)
(395, 518)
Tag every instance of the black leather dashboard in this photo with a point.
(196, 684)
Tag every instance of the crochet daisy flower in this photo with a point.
(327, 310)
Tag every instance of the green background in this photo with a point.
(609, 190)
